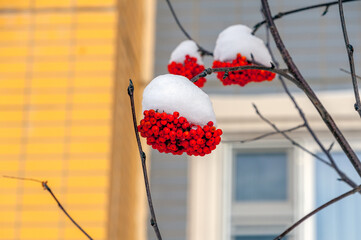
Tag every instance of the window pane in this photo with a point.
(342, 219)
(261, 177)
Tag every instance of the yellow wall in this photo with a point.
(57, 80)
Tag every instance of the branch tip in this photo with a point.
(130, 88)
(326, 10)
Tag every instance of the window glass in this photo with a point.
(342, 219)
(260, 177)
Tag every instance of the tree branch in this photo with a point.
(47, 188)
(281, 14)
(200, 48)
(272, 133)
(349, 49)
(293, 142)
(153, 220)
(344, 70)
(288, 230)
(309, 92)
(283, 72)
(333, 164)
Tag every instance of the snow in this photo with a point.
(170, 93)
(187, 47)
(238, 39)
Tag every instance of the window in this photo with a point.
(261, 201)
(253, 170)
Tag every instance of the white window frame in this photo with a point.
(210, 195)
(273, 216)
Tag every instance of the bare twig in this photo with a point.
(326, 117)
(47, 188)
(293, 142)
(281, 14)
(349, 49)
(332, 164)
(344, 70)
(153, 220)
(353, 191)
(200, 48)
(24, 179)
(209, 71)
(271, 133)
(342, 175)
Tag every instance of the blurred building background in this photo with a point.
(65, 116)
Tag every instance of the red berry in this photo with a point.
(179, 133)
(163, 115)
(208, 135)
(219, 132)
(170, 118)
(157, 115)
(185, 125)
(172, 134)
(206, 128)
(186, 135)
(181, 120)
(166, 130)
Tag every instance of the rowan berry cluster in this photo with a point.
(241, 77)
(171, 133)
(188, 69)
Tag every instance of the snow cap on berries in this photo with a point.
(187, 47)
(170, 93)
(238, 39)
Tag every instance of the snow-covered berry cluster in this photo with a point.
(189, 68)
(235, 46)
(178, 117)
(186, 61)
(241, 77)
(171, 133)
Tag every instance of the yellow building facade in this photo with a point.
(65, 117)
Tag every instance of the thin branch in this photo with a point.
(24, 179)
(326, 117)
(281, 14)
(47, 188)
(342, 175)
(332, 164)
(330, 147)
(353, 191)
(200, 48)
(349, 49)
(153, 220)
(293, 142)
(344, 70)
(282, 72)
(272, 133)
